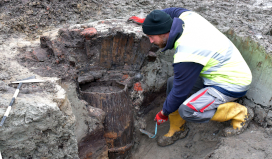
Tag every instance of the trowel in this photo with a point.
(150, 135)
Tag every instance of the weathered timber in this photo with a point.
(121, 149)
(113, 98)
(93, 146)
(105, 58)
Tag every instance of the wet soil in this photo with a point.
(199, 142)
(26, 19)
(247, 17)
(204, 141)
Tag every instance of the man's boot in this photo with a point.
(239, 114)
(178, 130)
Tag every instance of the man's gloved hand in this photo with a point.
(136, 20)
(160, 118)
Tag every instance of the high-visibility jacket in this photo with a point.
(202, 43)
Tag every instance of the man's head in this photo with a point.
(157, 26)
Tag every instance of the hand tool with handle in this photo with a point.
(148, 133)
(14, 97)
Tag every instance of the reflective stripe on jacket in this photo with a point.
(202, 43)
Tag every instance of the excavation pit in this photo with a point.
(106, 63)
(121, 76)
(117, 74)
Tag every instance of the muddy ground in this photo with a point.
(31, 17)
(205, 142)
(22, 22)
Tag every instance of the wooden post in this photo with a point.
(113, 98)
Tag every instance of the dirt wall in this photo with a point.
(41, 123)
(259, 94)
